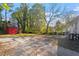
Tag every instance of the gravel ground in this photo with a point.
(29, 46)
(40, 45)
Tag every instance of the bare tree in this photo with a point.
(54, 12)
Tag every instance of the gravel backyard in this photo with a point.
(28, 46)
(40, 45)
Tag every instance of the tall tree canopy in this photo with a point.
(38, 15)
(21, 15)
(30, 19)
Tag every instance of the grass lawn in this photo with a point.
(16, 35)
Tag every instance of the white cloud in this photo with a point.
(76, 8)
(48, 13)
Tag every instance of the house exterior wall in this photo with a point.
(78, 27)
(74, 28)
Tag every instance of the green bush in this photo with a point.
(2, 31)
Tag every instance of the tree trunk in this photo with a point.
(47, 28)
(6, 19)
(24, 26)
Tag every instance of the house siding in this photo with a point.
(74, 28)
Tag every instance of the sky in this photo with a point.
(68, 7)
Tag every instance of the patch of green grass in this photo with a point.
(16, 35)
